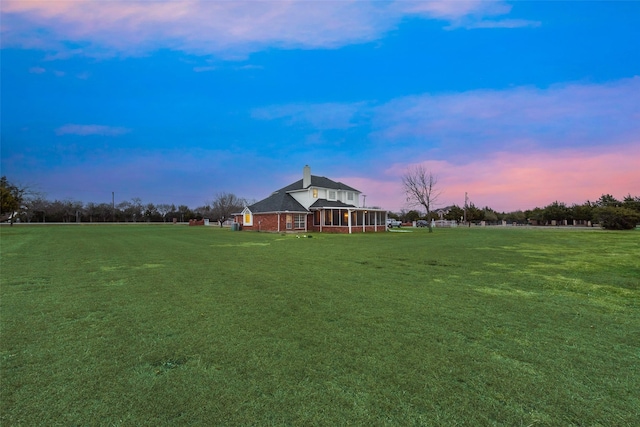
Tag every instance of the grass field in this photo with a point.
(173, 325)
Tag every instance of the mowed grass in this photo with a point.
(173, 325)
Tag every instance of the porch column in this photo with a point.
(349, 221)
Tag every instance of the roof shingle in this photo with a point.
(279, 201)
(319, 181)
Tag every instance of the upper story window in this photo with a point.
(349, 195)
(332, 195)
(315, 193)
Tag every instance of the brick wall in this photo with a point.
(269, 222)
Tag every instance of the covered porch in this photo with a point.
(349, 219)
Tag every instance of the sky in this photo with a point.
(518, 104)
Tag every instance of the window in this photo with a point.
(247, 219)
(349, 195)
(315, 193)
(327, 217)
(299, 221)
(289, 221)
(332, 195)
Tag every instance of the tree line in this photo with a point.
(18, 203)
(607, 211)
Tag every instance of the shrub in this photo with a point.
(615, 218)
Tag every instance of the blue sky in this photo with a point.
(517, 103)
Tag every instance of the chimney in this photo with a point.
(306, 176)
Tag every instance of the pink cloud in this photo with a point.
(221, 27)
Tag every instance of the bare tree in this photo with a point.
(226, 204)
(163, 209)
(420, 186)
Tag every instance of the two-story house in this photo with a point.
(314, 203)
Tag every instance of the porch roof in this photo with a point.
(324, 203)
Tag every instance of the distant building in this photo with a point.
(444, 211)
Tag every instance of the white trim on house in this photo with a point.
(247, 217)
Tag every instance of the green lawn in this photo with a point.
(174, 325)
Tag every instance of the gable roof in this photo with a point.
(279, 201)
(319, 181)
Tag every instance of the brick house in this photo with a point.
(313, 203)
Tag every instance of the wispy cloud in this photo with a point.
(326, 116)
(504, 23)
(83, 27)
(86, 130)
(466, 14)
(578, 115)
(58, 73)
(452, 10)
(204, 68)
